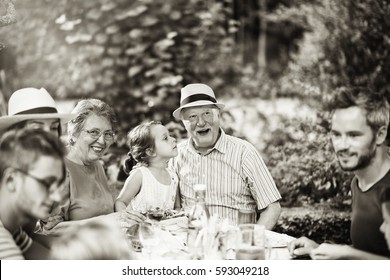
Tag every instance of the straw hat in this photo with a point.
(193, 95)
(31, 104)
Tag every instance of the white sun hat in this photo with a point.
(31, 104)
(193, 95)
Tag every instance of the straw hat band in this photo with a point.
(40, 110)
(197, 97)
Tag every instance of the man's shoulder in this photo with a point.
(234, 140)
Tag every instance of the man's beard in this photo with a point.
(364, 160)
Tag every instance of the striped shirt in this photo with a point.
(234, 173)
(9, 250)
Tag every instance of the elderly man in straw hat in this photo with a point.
(234, 172)
(33, 108)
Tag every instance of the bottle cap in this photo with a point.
(199, 187)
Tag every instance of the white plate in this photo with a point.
(278, 240)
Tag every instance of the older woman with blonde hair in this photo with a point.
(90, 134)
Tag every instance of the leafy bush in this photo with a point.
(303, 165)
(330, 227)
(138, 54)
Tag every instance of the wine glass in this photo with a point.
(148, 237)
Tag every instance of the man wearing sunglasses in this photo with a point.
(32, 173)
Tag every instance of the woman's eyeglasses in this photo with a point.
(95, 133)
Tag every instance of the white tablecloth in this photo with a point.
(172, 246)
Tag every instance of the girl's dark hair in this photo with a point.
(129, 164)
(139, 141)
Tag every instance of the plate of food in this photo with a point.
(160, 214)
(277, 240)
(154, 213)
(174, 218)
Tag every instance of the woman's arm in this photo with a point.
(130, 189)
(342, 252)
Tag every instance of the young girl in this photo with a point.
(150, 184)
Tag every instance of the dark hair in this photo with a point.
(139, 141)
(129, 163)
(22, 148)
(22, 124)
(373, 103)
(84, 109)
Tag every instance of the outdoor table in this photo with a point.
(172, 246)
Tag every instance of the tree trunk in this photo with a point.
(261, 54)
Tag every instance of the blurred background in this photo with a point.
(270, 62)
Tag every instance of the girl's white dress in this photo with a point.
(153, 194)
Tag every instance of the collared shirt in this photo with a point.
(234, 173)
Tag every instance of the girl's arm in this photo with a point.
(130, 189)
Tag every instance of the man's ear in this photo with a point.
(381, 135)
(8, 180)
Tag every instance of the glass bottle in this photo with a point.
(198, 219)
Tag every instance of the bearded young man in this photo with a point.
(359, 121)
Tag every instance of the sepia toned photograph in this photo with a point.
(195, 130)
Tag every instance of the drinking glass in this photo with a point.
(148, 237)
(246, 216)
(251, 243)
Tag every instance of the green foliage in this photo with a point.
(326, 228)
(302, 163)
(358, 45)
(138, 54)
(348, 44)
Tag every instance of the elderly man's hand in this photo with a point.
(301, 247)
